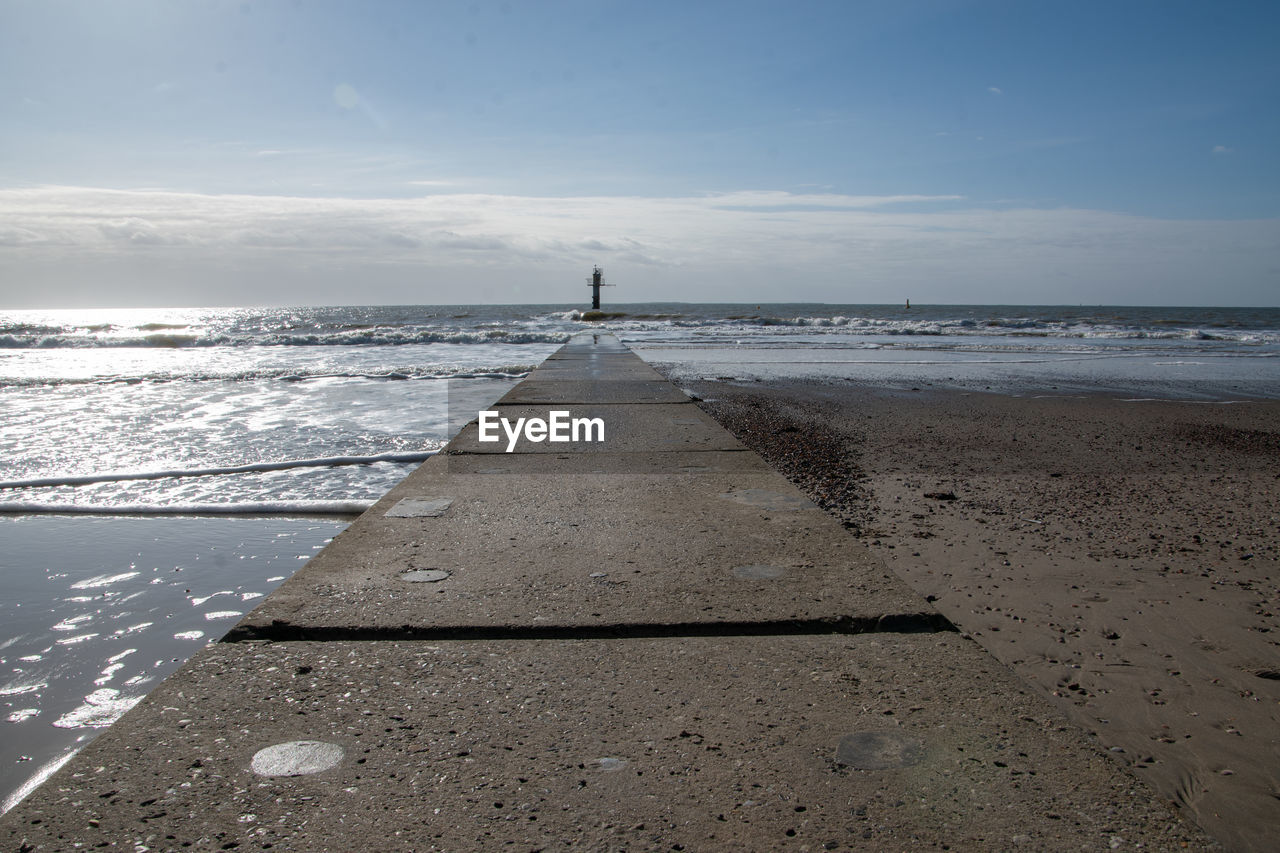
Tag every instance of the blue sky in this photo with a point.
(305, 152)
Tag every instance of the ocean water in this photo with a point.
(162, 470)
(1207, 354)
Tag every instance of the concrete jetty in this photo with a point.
(649, 642)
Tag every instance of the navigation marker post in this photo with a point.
(595, 283)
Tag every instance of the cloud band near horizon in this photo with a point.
(190, 248)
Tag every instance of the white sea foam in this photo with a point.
(293, 373)
(79, 638)
(100, 709)
(20, 689)
(299, 507)
(251, 468)
(108, 674)
(485, 326)
(199, 601)
(389, 337)
(222, 614)
(99, 581)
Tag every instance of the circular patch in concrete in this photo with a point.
(425, 576)
(296, 758)
(765, 499)
(878, 750)
(758, 573)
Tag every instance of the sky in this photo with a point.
(295, 152)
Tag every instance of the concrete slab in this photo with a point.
(568, 359)
(582, 353)
(419, 508)
(592, 343)
(611, 369)
(598, 367)
(627, 429)
(595, 373)
(528, 554)
(559, 464)
(541, 389)
(779, 743)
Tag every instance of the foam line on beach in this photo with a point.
(1180, 400)
(36, 779)
(510, 373)
(956, 362)
(248, 508)
(251, 468)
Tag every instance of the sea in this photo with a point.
(161, 470)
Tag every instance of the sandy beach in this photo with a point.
(1120, 555)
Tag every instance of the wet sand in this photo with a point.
(1121, 556)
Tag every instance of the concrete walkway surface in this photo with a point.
(654, 642)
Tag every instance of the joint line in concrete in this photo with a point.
(892, 623)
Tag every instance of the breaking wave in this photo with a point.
(961, 327)
(251, 468)
(284, 374)
(12, 339)
(1245, 326)
(373, 326)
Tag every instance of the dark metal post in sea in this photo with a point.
(595, 283)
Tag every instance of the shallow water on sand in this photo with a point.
(97, 611)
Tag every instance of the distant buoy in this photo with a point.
(908, 304)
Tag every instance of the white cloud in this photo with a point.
(833, 201)
(995, 91)
(749, 245)
(1223, 149)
